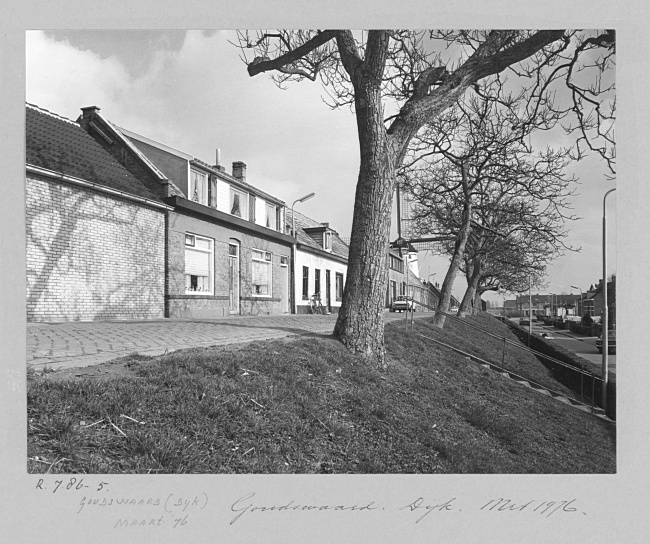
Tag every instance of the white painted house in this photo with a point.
(321, 263)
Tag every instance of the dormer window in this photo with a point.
(327, 240)
(271, 217)
(238, 203)
(198, 190)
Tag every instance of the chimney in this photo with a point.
(239, 170)
(89, 111)
(326, 225)
(217, 164)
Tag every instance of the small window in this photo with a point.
(327, 240)
(198, 187)
(198, 265)
(317, 281)
(339, 286)
(251, 208)
(284, 261)
(238, 203)
(261, 273)
(305, 283)
(271, 217)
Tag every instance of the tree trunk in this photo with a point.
(360, 323)
(467, 306)
(457, 257)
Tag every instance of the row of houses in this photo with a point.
(120, 226)
(590, 302)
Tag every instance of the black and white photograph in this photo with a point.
(212, 287)
(352, 282)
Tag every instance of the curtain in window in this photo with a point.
(198, 187)
(261, 278)
(235, 207)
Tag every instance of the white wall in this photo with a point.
(223, 196)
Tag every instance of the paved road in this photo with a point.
(584, 346)
(76, 344)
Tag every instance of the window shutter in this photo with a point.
(251, 208)
(197, 263)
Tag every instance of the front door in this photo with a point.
(328, 291)
(284, 284)
(233, 282)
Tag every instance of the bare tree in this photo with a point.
(473, 173)
(396, 81)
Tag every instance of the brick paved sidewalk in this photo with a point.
(76, 344)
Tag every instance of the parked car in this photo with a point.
(524, 321)
(402, 303)
(547, 336)
(611, 343)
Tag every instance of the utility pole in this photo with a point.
(605, 343)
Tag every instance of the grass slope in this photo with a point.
(309, 406)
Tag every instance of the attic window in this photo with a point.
(327, 240)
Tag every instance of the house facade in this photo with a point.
(95, 232)
(321, 263)
(226, 250)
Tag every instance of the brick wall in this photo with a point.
(91, 256)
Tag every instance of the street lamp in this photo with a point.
(293, 217)
(605, 343)
(581, 309)
(293, 234)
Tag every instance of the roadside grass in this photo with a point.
(309, 406)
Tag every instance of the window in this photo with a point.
(213, 192)
(262, 276)
(327, 240)
(278, 219)
(317, 281)
(198, 187)
(272, 217)
(198, 264)
(305, 283)
(393, 290)
(339, 286)
(403, 288)
(251, 208)
(238, 203)
(396, 264)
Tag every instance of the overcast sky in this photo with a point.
(190, 90)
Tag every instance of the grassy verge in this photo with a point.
(308, 406)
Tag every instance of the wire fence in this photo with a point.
(583, 382)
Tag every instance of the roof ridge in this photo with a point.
(48, 112)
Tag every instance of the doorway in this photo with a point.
(328, 291)
(233, 277)
(284, 284)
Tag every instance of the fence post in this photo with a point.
(593, 390)
(582, 383)
(503, 356)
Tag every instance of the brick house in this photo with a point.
(227, 253)
(321, 263)
(95, 232)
